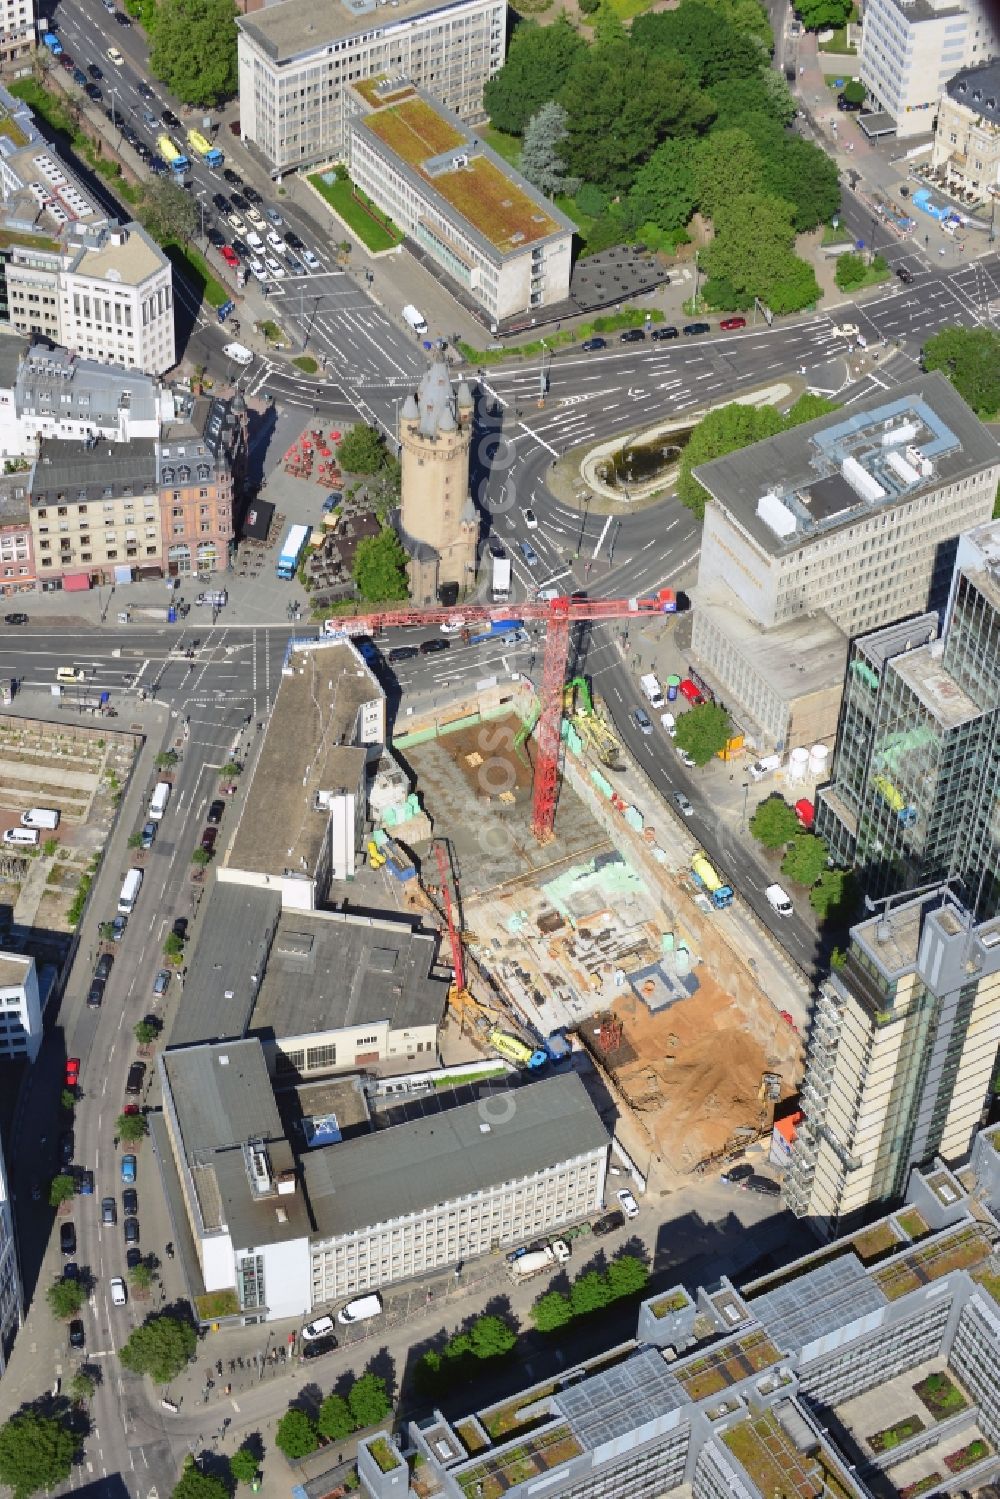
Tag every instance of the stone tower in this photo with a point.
(437, 521)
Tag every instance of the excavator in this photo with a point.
(589, 723)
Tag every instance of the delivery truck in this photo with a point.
(706, 878)
(497, 627)
(292, 548)
(209, 154)
(46, 818)
(501, 580)
(158, 801)
(414, 318)
(652, 691)
(131, 886)
(172, 155)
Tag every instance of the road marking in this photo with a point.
(600, 539)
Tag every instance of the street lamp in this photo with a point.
(541, 372)
(743, 815)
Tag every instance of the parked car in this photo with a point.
(593, 344)
(71, 1270)
(429, 647)
(208, 838)
(627, 1202)
(67, 1145)
(738, 1173)
(109, 1211)
(161, 983)
(148, 834)
(180, 928)
(95, 994)
(608, 1223)
(105, 963)
(730, 324)
(72, 1071)
(682, 804)
(321, 1346)
(130, 1202)
(118, 926)
(15, 619)
(762, 1184)
(632, 336)
(85, 1184)
(67, 1239)
(134, 1081)
(131, 1228)
(229, 255)
(77, 1337)
(93, 92)
(333, 499)
(317, 1329)
(133, 1257)
(666, 332)
(128, 1168)
(692, 329)
(293, 241)
(233, 178)
(172, 122)
(403, 653)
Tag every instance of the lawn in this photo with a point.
(838, 43)
(374, 229)
(507, 146)
(875, 1241)
(941, 1397)
(912, 1223)
(415, 131)
(217, 1304)
(892, 1436)
(967, 1457)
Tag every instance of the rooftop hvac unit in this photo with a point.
(261, 1170)
(893, 436)
(861, 481)
(775, 514)
(919, 461)
(901, 468)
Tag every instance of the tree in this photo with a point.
(805, 860)
(169, 211)
(774, 823)
(65, 1297)
(146, 1031)
(491, 1337)
(243, 1464)
(166, 760)
(369, 1400)
(541, 158)
(970, 357)
(722, 431)
(141, 1276)
(194, 1484)
(834, 897)
(173, 947)
(161, 1348)
(296, 1435)
(538, 62)
(665, 191)
(131, 1128)
(62, 1189)
(808, 408)
(67, 1099)
(753, 251)
(803, 175)
(36, 1452)
(551, 1311)
(852, 270)
(712, 48)
(627, 1276)
(135, 840)
(724, 158)
(854, 91)
(704, 731)
(588, 1293)
(201, 857)
(781, 101)
(817, 15)
(82, 1385)
(361, 451)
(380, 567)
(194, 49)
(335, 1421)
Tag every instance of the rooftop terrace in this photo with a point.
(490, 1477)
(964, 1249)
(777, 1467)
(712, 1372)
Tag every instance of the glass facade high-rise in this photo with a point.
(914, 795)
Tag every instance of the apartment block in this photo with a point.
(483, 224)
(901, 1057)
(910, 49)
(202, 456)
(11, 1296)
(967, 138)
(297, 59)
(915, 771)
(823, 532)
(17, 33)
(17, 563)
(70, 273)
(785, 1386)
(20, 1007)
(95, 512)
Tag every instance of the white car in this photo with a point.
(237, 223)
(310, 259)
(276, 269)
(115, 56)
(317, 1329)
(255, 216)
(254, 240)
(685, 758)
(118, 1296)
(275, 240)
(669, 722)
(848, 330)
(452, 626)
(627, 1203)
(531, 520)
(275, 216)
(257, 268)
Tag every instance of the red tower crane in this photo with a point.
(558, 615)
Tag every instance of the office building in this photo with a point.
(910, 48)
(20, 1005)
(915, 768)
(17, 33)
(11, 1296)
(297, 59)
(286, 1236)
(823, 532)
(303, 816)
(492, 234)
(783, 1387)
(967, 138)
(70, 273)
(902, 1054)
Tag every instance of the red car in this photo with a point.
(691, 692)
(730, 324)
(131, 1108)
(72, 1071)
(229, 255)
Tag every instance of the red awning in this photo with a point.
(75, 582)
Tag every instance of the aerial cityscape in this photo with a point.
(500, 749)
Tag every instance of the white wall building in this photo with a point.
(910, 48)
(50, 392)
(17, 32)
(20, 1007)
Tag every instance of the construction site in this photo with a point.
(593, 936)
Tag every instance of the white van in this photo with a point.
(40, 817)
(158, 801)
(238, 353)
(22, 837)
(652, 691)
(70, 674)
(131, 885)
(669, 722)
(761, 768)
(118, 1296)
(362, 1309)
(778, 900)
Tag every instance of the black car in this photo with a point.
(318, 1347)
(79, 78)
(71, 1270)
(632, 336)
(215, 238)
(221, 202)
(67, 1239)
(403, 652)
(738, 1173)
(180, 928)
(15, 619)
(85, 1184)
(293, 240)
(95, 994)
(690, 329)
(131, 1230)
(136, 1073)
(157, 166)
(208, 838)
(122, 18)
(240, 248)
(67, 1145)
(233, 178)
(429, 647)
(905, 274)
(251, 194)
(95, 71)
(593, 344)
(170, 119)
(215, 812)
(133, 1257)
(609, 1223)
(130, 1202)
(667, 332)
(142, 150)
(144, 89)
(105, 963)
(239, 202)
(762, 1184)
(77, 1338)
(93, 92)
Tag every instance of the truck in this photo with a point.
(50, 40)
(415, 319)
(383, 850)
(511, 1047)
(158, 801)
(524, 1263)
(292, 548)
(166, 614)
(131, 886)
(501, 580)
(652, 691)
(174, 157)
(496, 627)
(210, 155)
(40, 817)
(705, 877)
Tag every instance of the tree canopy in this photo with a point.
(774, 823)
(62, 1188)
(722, 431)
(380, 567)
(712, 46)
(194, 49)
(194, 1484)
(335, 1421)
(834, 896)
(132, 1127)
(704, 731)
(65, 1297)
(805, 860)
(665, 190)
(244, 1465)
(36, 1452)
(970, 357)
(169, 212)
(361, 451)
(818, 14)
(538, 62)
(369, 1400)
(161, 1348)
(296, 1435)
(542, 151)
(551, 1311)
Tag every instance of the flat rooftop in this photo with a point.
(306, 750)
(333, 970)
(13, 970)
(803, 656)
(471, 183)
(780, 1455)
(224, 972)
(297, 27)
(130, 262)
(837, 471)
(924, 672)
(426, 1161)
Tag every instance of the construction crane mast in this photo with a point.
(558, 615)
(454, 936)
